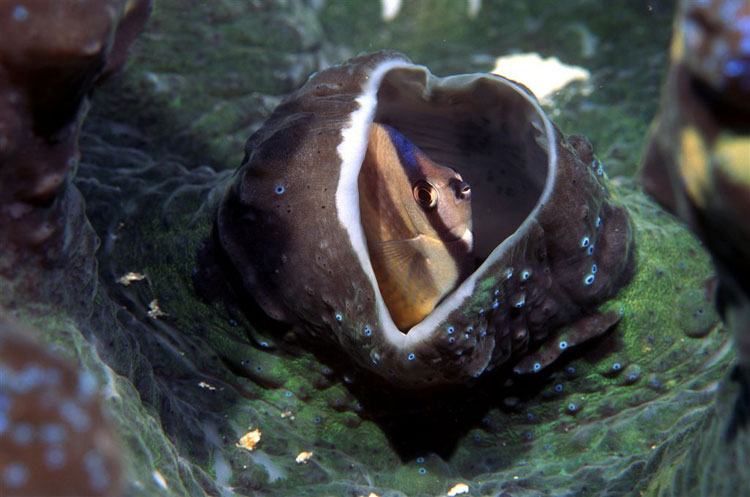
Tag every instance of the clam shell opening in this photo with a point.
(549, 245)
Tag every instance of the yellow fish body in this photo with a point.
(416, 217)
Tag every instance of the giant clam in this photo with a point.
(549, 243)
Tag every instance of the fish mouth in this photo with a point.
(453, 234)
(487, 128)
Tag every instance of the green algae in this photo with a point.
(630, 428)
(630, 391)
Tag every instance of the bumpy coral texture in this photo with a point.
(55, 437)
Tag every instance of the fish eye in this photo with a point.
(426, 195)
(463, 190)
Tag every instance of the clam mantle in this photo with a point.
(550, 243)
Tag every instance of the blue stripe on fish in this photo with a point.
(406, 150)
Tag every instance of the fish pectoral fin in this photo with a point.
(402, 268)
(405, 282)
(420, 262)
(409, 274)
(399, 254)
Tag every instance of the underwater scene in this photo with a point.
(375, 248)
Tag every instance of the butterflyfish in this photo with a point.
(416, 216)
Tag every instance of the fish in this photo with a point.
(416, 215)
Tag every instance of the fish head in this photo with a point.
(443, 199)
(435, 198)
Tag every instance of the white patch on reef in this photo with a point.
(389, 9)
(544, 77)
(473, 7)
(160, 480)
